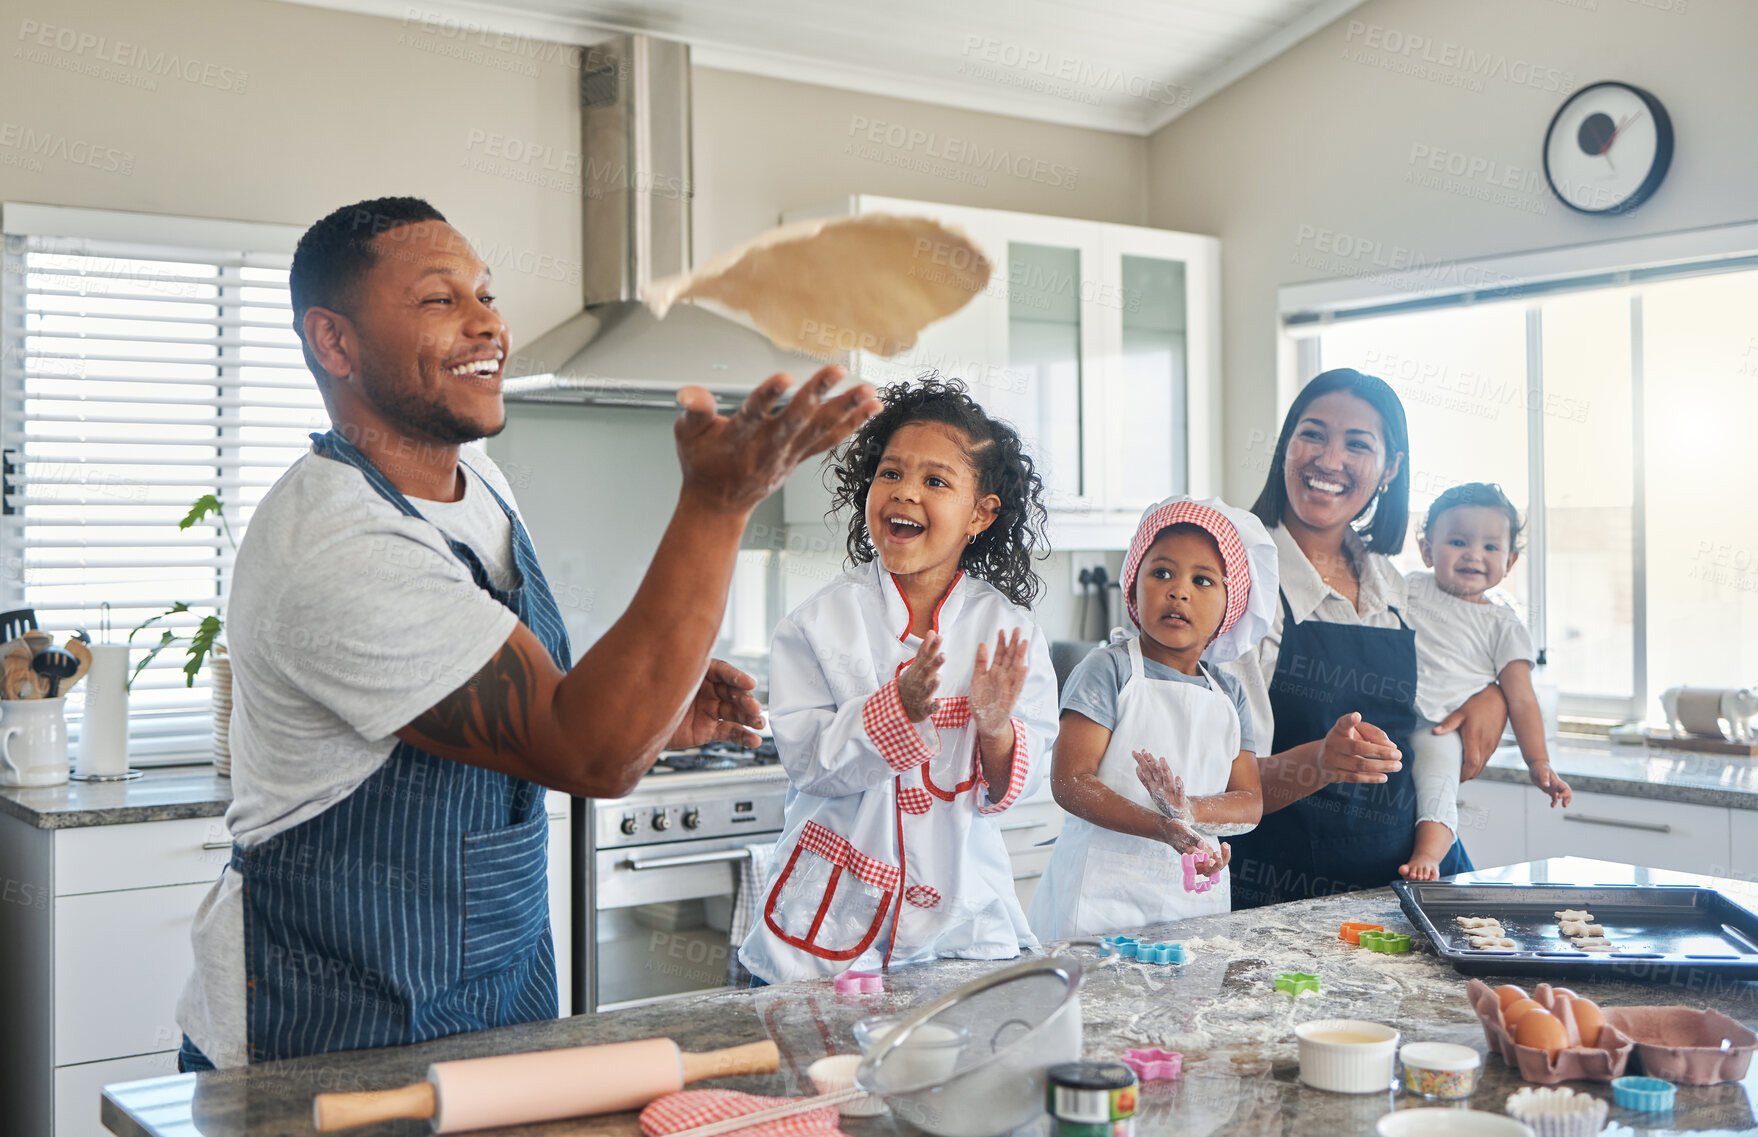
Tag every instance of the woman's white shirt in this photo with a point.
(1309, 597)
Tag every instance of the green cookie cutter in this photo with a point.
(1391, 943)
(1294, 982)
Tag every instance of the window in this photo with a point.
(139, 374)
(1624, 400)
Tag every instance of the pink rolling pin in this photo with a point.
(519, 1089)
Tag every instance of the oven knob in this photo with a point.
(692, 819)
(628, 825)
(662, 821)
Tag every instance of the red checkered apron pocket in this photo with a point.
(915, 800)
(831, 898)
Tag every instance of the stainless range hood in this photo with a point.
(636, 185)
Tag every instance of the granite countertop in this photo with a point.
(163, 793)
(1661, 774)
(1219, 1010)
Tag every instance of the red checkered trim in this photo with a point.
(1233, 561)
(1016, 775)
(921, 895)
(688, 1109)
(817, 839)
(914, 800)
(898, 740)
(953, 712)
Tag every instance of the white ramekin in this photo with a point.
(1347, 1067)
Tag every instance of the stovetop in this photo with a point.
(717, 756)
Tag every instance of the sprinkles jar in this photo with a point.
(1440, 1069)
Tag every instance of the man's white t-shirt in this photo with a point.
(347, 619)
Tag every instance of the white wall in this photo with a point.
(1319, 139)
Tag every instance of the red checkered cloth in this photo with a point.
(688, 1109)
(814, 838)
(952, 712)
(1233, 561)
(921, 895)
(898, 740)
(915, 800)
(1016, 775)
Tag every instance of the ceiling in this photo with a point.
(1123, 65)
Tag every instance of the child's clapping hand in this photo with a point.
(1551, 783)
(919, 681)
(995, 686)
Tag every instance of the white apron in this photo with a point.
(1101, 882)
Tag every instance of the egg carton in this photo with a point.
(1604, 1060)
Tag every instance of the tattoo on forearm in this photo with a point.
(491, 712)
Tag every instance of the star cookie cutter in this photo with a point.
(1294, 982)
(1153, 1064)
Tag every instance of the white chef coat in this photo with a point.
(1382, 590)
(891, 851)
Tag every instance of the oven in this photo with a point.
(660, 870)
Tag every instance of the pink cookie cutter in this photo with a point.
(858, 983)
(1191, 883)
(1154, 1064)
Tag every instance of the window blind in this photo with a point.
(134, 379)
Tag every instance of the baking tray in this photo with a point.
(1665, 933)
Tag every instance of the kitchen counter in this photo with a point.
(1639, 771)
(162, 793)
(1219, 1009)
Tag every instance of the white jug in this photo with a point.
(33, 742)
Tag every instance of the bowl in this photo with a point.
(1440, 1069)
(1441, 1122)
(837, 1072)
(1346, 1056)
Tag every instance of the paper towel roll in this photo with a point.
(103, 733)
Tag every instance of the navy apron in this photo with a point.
(1345, 836)
(417, 906)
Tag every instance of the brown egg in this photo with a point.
(1541, 1030)
(1510, 994)
(1589, 1019)
(1513, 1012)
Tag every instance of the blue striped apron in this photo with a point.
(417, 906)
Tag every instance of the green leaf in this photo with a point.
(173, 610)
(200, 645)
(165, 640)
(205, 504)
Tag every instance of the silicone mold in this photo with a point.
(1191, 882)
(1648, 1095)
(1142, 952)
(1682, 1044)
(1601, 1062)
(1294, 982)
(1154, 1064)
(858, 983)
(1390, 943)
(1350, 932)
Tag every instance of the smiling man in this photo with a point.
(403, 688)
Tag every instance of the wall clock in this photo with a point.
(1608, 148)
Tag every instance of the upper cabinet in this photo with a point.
(1099, 342)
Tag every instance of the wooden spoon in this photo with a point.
(78, 650)
(20, 680)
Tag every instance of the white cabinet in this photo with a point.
(1025, 827)
(561, 902)
(1492, 822)
(1742, 845)
(1099, 342)
(79, 1089)
(1634, 830)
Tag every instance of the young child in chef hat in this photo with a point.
(1155, 749)
(912, 701)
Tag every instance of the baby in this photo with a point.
(1465, 641)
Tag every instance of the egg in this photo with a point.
(1589, 1019)
(1541, 1030)
(1510, 994)
(1513, 1012)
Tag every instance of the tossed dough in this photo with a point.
(871, 281)
(1573, 914)
(1479, 922)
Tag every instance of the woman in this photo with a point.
(1334, 682)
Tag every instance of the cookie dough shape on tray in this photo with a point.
(1478, 922)
(872, 281)
(1580, 914)
(1481, 942)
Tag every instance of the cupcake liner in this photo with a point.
(1556, 1111)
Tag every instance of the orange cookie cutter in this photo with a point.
(1350, 932)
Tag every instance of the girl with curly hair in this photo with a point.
(912, 702)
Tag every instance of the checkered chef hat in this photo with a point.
(1248, 562)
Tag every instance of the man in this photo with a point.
(402, 681)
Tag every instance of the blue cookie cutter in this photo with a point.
(1129, 947)
(1646, 1095)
